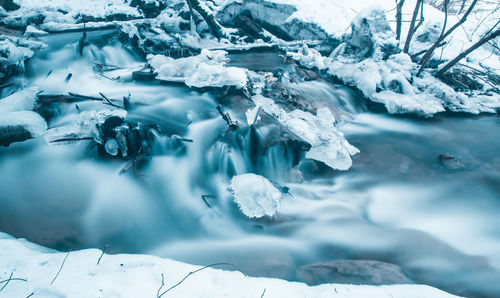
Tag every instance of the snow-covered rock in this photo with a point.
(255, 195)
(206, 69)
(30, 121)
(328, 143)
(23, 100)
(89, 273)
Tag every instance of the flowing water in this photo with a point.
(398, 203)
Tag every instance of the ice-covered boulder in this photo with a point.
(255, 195)
(328, 144)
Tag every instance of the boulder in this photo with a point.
(353, 271)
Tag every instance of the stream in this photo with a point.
(398, 204)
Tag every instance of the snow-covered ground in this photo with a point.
(42, 272)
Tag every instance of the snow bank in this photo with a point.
(391, 80)
(31, 121)
(328, 143)
(255, 195)
(203, 70)
(141, 276)
(23, 100)
(66, 12)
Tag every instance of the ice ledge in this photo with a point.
(141, 276)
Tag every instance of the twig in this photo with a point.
(60, 268)
(204, 198)
(193, 272)
(162, 284)
(102, 254)
(263, 293)
(32, 293)
(108, 101)
(8, 280)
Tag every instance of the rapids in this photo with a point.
(398, 203)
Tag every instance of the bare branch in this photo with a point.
(482, 41)
(425, 59)
(399, 16)
(412, 29)
(193, 272)
(60, 268)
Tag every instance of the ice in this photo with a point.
(328, 143)
(255, 195)
(206, 69)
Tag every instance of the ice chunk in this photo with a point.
(111, 147)
(255, 195)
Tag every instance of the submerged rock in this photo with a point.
(353, 271)
(449, 161)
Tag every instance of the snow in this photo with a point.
(203, 70)
(141, 276)
(255, 195)
(328, 143)
(31, 121)
(23, 100)
(67, 12)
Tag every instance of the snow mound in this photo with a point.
(255, 195)
(124, 275)
(328, 143)
(31, 121)
(23, 100)
(206, 69)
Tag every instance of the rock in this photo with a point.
(151, 9)
(449, 161)
(371, 36)
(273, 17)
(9, 5)
(352, 271)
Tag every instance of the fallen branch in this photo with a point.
(72, 139)
(9, 279)
(109, 101)
(193, 272)
(60, 268)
